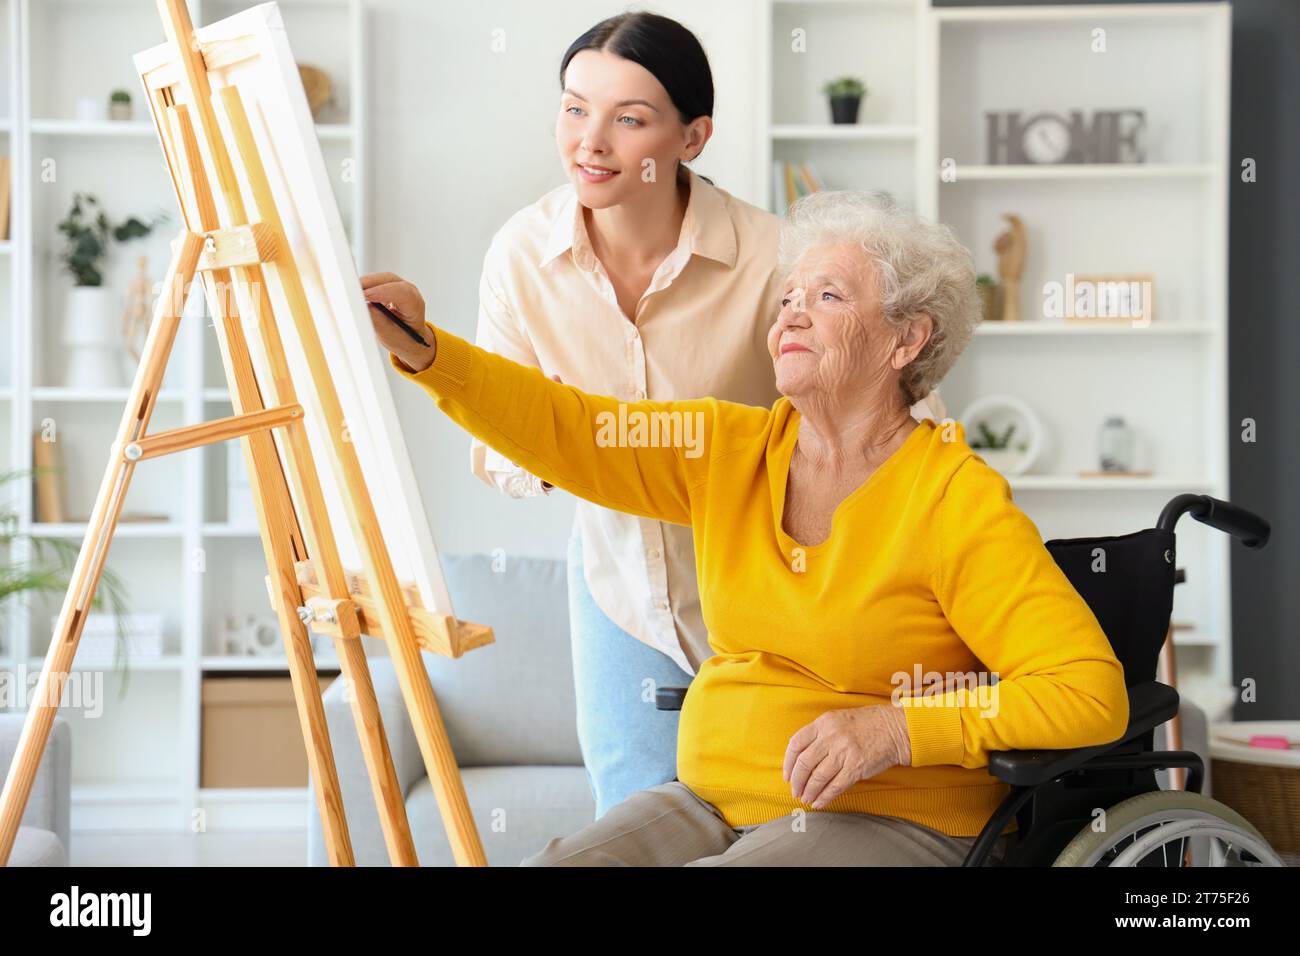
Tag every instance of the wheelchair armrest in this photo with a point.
(1149, 705)
(669, 698)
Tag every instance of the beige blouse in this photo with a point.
(700, 330)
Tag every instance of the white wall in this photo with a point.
(460, 138)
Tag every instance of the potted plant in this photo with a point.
(119, 105)
(990, 293)
(996, 450)
(48, 569)
(845, 95)
(89, 331)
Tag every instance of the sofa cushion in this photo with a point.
(517, 811)
(510, 702)
(34, 846)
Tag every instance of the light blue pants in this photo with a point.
(627, 744)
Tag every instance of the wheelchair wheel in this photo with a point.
(1170, 828)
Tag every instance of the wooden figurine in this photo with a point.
(1011, 246)
(135, 319)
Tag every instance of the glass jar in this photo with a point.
(1115, 445)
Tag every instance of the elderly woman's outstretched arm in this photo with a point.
(642, 457)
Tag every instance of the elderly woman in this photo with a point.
(882, 613)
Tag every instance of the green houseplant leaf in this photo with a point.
(48, 571)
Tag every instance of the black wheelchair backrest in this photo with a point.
(1128, 581)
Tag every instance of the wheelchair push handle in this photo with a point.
(1246, 526)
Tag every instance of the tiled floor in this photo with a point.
(227, 848)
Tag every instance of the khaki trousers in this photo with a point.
(669, 825)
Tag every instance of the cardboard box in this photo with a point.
(251, 736)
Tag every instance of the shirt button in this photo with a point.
(640, 393)
(661, 605)
(653, 554)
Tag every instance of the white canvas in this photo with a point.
(284, 131)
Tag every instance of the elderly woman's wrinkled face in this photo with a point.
(830, 339)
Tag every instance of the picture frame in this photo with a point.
(1111, 298)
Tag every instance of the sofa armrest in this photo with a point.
(367, 836)
(50, 803)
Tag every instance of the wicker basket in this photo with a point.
(317, 85)
(1261, 784)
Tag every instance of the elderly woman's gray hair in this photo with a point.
(920, 266)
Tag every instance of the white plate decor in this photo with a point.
(999, 413)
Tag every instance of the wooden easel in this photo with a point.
(307, 582)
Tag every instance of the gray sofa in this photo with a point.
(43, 837)
(510, 715)
(509, 711)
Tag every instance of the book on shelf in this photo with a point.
(47, 490)
(5, 169)
(143, 633)
(794, 182)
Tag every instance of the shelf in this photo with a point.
(1195, 638)
(1074, 483)
(1089, 13)
(101, 128)
(218, 662)
(334, 131)
(895, 4)
(124, 529)
(219, 529)
(158, 791)
(118, 129)
(1059, 171)
(168, 662)
(845, 131)
(60, 393)
(1056, 327)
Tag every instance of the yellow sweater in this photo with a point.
(931, 578)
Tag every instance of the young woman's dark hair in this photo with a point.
(669, 51)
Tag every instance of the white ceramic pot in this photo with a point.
(999, 410)
(1006, 461)
(91, 108)
(91, 339)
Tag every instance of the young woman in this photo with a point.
(637, 279)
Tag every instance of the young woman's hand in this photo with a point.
(403, 298)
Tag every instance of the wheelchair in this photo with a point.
(1055, 794)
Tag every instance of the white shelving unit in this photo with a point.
(932, 74)
(137, 763)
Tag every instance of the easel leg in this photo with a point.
(94, 549)
(389, 799)
(274, 508)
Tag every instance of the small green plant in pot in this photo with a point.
(845, 94)
(119, 105)
(990, 297)
(47, 571)
(997, 450)
(91, 322)
(87, 231)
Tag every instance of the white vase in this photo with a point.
(91, 339)
(1005, 461)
